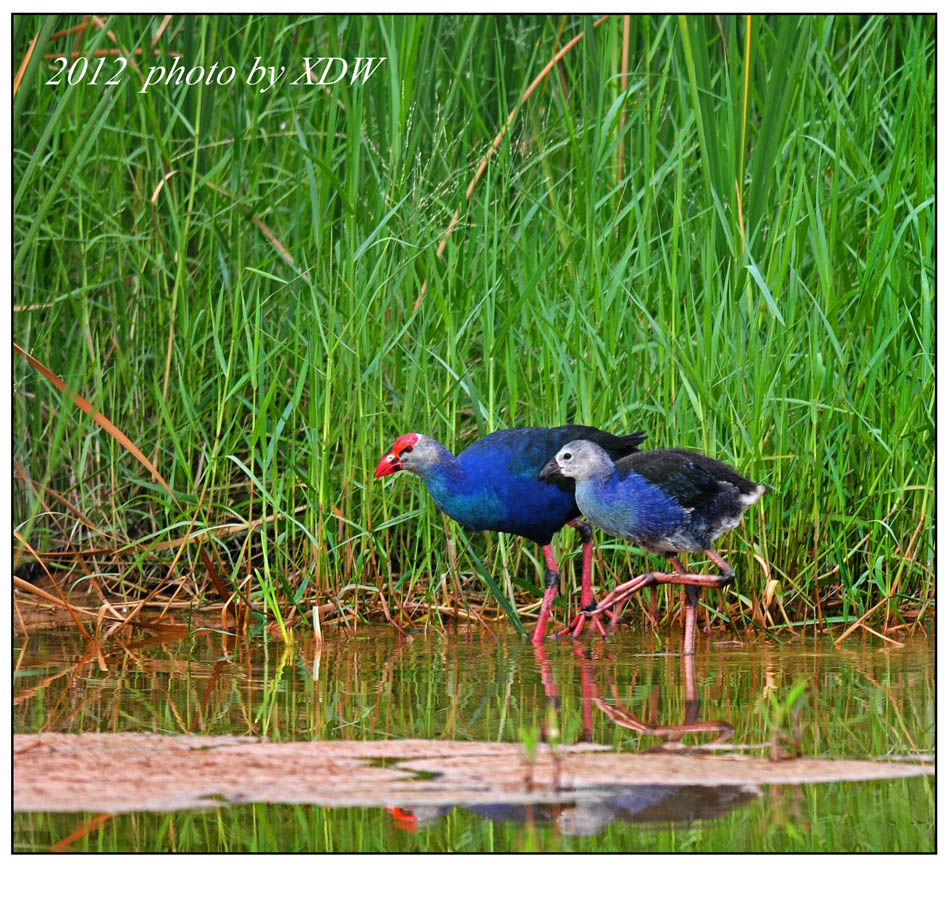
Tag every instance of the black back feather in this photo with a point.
(690, 478)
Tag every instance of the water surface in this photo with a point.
(631, 692)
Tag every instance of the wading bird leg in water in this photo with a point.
(495, 484)
(552, 584)
(682, 576)
(587, 588)
(666, 501)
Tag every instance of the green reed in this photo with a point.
(234, 278)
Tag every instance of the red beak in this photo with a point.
(388, 464)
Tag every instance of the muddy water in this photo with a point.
(631, 693)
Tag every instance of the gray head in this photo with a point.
(414, 452)
(579, 460)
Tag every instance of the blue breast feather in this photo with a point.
(633, 508)
(495, 486)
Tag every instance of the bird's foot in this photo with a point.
(576, 627)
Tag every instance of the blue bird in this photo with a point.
(494, 485)
(666, 501)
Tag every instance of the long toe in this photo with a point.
(569, 629)
(575, 627)
(579, 625)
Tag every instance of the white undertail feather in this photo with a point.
(750, 499)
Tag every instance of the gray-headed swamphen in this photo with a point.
(494, 485)
(667, 501)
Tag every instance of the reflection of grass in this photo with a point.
(230, 276)
(857, 705)
(272, 606)
(782, 716)
(872, 816)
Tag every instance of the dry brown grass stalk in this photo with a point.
(99, 418)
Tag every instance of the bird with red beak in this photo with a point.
(494, 485)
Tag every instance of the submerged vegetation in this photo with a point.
(719, 230)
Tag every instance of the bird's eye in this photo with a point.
(407, 450)
(566, 456)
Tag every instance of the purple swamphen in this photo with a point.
(494, 485)
(666, 501)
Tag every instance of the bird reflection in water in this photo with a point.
(647, 803)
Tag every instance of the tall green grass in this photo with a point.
(231, 276)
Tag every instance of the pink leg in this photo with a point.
(620, 593)
(689, 630)
(692, 604)
(587, 589)
(552, 583)
(576, 627)
(691, 581)
(614, 616)
(587, 537)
